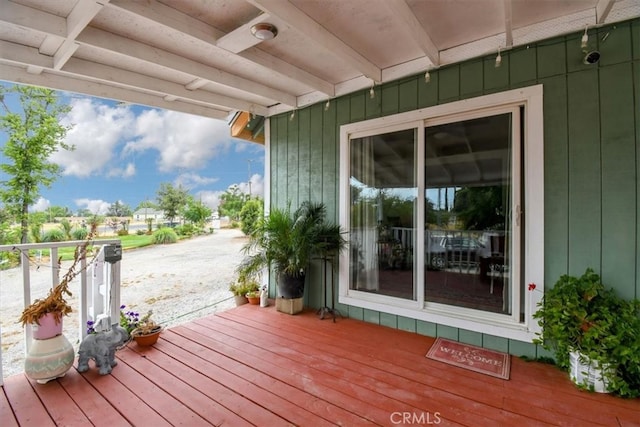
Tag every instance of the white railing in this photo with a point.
(97, 301)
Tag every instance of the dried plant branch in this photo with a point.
(55, 301)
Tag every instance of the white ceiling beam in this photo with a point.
(241, 38)
(76, 85)
(27, 17)
(82, 14)
(123, 78)
(174, 21)
(401, 9)
(25, 56)
(21, 54)
(297, 19)
(64, 52)
(603, 8)
(99, 39)
(79, 17)
(508, 24)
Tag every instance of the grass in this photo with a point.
(128, 242)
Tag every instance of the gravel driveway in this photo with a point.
(179, 282)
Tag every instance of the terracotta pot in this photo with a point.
(149, 339)
(47, 327)
(254, 300)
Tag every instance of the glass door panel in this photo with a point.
(383, 193)
(468, 194)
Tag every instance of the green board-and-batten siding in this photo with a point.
(592, 156)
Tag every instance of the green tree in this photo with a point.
(84, 212)
(66, 227)
(231, 202)
(171, 200)
(119, 209)
(480, 208)
(197, 212)
(250, 214)
(34, 134)
(58, 212)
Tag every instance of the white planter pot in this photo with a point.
(588, 373)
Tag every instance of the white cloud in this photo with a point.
(41, 205)
(127, 172)
(96, 207)
(96, 132)
(210, 198)
(193, 180)
(257, 186)
(182, 140)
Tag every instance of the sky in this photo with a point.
(123, 152)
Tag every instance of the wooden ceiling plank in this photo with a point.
(297, 19)
(106, 74)
(99, 39)
(508, 23)
(176, 21)
(401, 9)
(100, 90)
(603, 8)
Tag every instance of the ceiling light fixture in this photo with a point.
(293, 114)
(372, 92)
(264, 31)
(327, 105)
(585, 38)
(427, 77)
(498, 59)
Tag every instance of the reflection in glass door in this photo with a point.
(471, 182)
(383, 194)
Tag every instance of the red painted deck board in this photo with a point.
(255, 366)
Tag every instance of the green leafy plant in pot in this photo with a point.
(287, 241)
(580, 317)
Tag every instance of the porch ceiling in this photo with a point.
(200, 57)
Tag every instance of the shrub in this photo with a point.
(79, 233)
(53, 235)
(123, 232)
(140, 232)
(164, 235)
(186, 230)
(250, 214)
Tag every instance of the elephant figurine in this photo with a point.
(101, 347)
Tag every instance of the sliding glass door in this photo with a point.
(472, 181)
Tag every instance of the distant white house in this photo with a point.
(146, 213)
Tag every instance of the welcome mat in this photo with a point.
(488, 362)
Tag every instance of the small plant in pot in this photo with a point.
(241, 287)
(253, 297)
(594, 334)
(144, 330)
(286, 241)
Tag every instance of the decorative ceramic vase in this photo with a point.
(47, 327)
(148, 339)
(49, 359)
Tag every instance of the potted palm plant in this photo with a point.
(286, 241)
(594, 334)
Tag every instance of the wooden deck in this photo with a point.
(256, 366)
